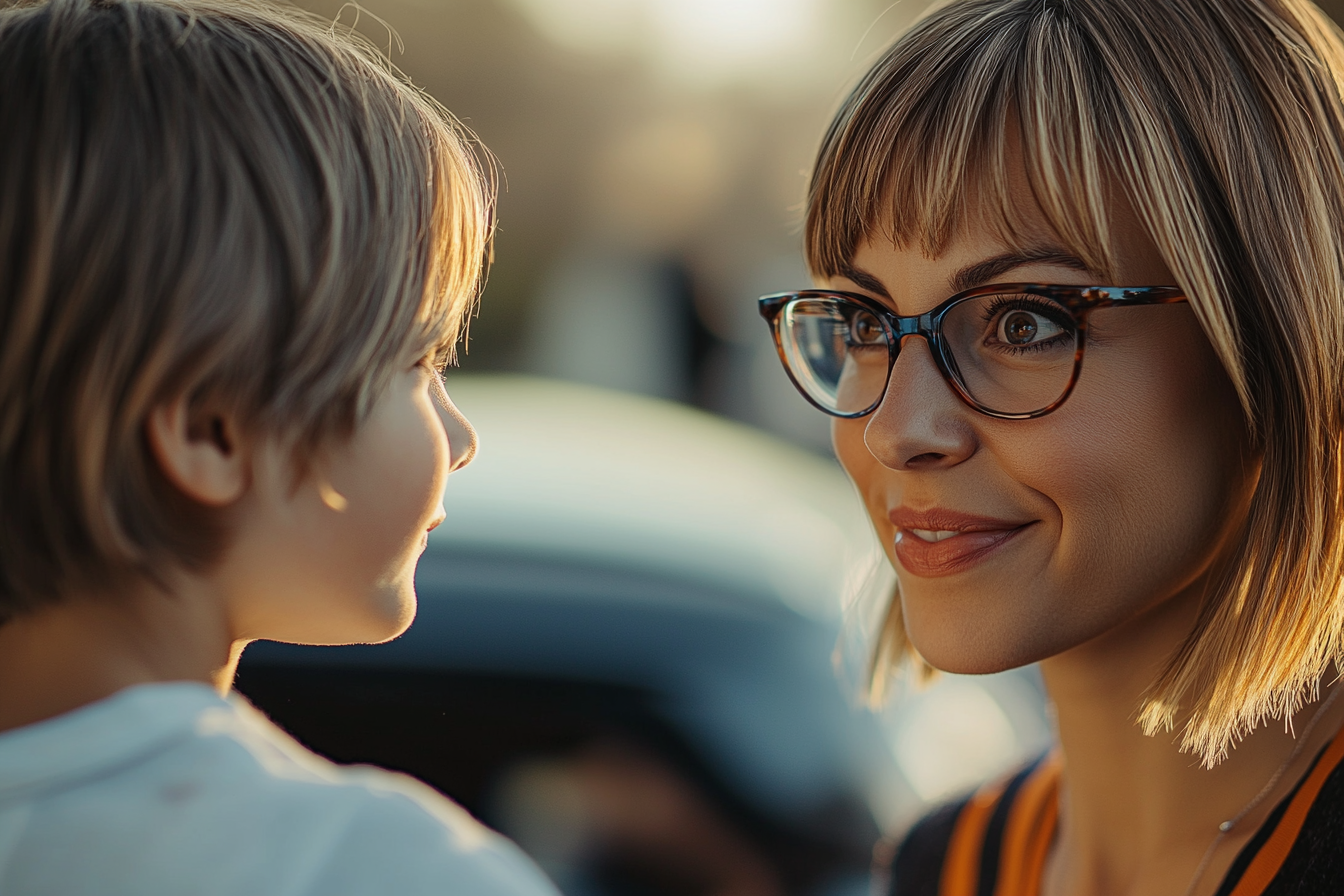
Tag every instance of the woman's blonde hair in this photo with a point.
(214, 199)
(1221, 122)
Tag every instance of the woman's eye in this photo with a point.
(1019, 327)
(865, 330)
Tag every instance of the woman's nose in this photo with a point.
(461, 435)
(921, 423)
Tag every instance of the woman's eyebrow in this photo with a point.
(863, 279)
(992, 268)
(981, 271)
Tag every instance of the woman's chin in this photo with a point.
(962, 662)
(976, 650)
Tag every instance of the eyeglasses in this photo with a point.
(1009, 350)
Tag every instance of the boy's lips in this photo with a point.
(434, 524)
(940, 542)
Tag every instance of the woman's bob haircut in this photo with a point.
(1220, 123)
(216, 200)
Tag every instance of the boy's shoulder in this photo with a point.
(170, 789)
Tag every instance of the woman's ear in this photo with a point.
(199, 450)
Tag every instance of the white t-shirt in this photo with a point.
(169, 790)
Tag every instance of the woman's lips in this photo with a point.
(938, 543)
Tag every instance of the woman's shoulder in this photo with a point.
(917, 866)
(962, 840)
(998, 835)
(1297, 849)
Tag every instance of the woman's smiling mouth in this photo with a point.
(939, 542)
(932, 535)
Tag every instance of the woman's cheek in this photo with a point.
(867, 474)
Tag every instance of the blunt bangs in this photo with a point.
(932, 134)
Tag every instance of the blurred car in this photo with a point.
(625, 658)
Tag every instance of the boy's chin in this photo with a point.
(388, 615)
(383, 616)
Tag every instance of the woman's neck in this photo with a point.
(1137, 815)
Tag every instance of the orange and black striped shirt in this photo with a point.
(995, 842)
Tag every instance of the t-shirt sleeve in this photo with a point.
(421, 845)
(405, 838)
(306, 827)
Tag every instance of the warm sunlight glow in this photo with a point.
(695, 41)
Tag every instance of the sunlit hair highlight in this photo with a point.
(221, 200)
(1220, 123)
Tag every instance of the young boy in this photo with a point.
(234, 252)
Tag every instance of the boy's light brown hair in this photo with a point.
(216, 199)
(1221, 122)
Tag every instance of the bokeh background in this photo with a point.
(654, 155)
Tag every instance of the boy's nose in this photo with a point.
(461, 435)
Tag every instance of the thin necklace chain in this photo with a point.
(1228, 826)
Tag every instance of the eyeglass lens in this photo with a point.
(1012, 354)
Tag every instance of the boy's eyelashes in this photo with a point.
(436, 358)
(430, 362)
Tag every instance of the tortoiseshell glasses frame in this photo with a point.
(1075, 301)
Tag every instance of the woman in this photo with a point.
(1080, 331)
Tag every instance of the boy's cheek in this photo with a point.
(333, 561)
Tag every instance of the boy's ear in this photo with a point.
(199, 448)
